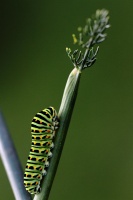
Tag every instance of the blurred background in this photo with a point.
(97, 159)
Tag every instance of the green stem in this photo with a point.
(11, 163)
(70, 93)
(65, 113)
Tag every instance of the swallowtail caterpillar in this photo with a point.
(43, 129)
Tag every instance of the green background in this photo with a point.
(97, 159)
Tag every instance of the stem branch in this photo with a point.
(11, 163)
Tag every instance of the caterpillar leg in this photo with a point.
(46, 164)
(38, 189)
(44, 172)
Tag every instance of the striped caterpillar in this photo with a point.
(43, 129)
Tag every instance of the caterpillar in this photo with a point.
(43, 129)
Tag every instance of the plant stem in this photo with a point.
(11, 163)
(65, 113)
(80, 61)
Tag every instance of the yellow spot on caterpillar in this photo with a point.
(46, 151)
(40, 131)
